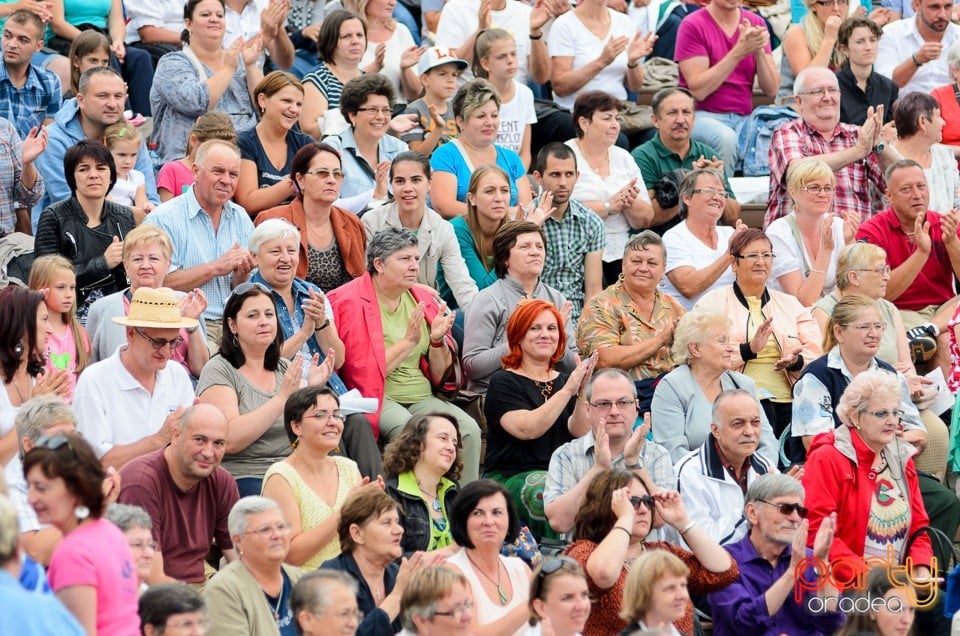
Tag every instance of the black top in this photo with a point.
(375, 620)
(267, 174)
(854, 102)
(506, 455)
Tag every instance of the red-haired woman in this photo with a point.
(532, 408)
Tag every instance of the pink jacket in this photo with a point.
(357, 316)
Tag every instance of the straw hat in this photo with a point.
(156, 308)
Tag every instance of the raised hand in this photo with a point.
(484, 15)
(404, 123)
(543, 210)
(380, 179)
(231, 54)
(831, 28)
(314, 311)
(251, 50)
(601, 445)
(411, 57)
(921, 234)
(442, 323)
(634, 446)
(566, 311)
(319, 372)
(824, 538)
(671, 509)
(621, 506)
(193, 304)
(34, 145)
(290, 382)
(53, 381)
(614, 47)
(851, 223)
(762, 335)
(948, 224)
(114, 253)
(788, 359)
(826, 233)
(413, 332)
(640, 46)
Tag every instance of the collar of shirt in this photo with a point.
(515, 284)
(194, 208)
(33, 76)
(665, 153)
(835, 361)
(741, 478)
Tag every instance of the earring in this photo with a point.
(236, 340)
(18, 349)
(81, 512)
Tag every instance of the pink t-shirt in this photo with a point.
(97, 554)
(62, 354)
(699, 35)
(175, 177)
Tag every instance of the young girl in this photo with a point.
(495, 59)
(89, 50)
(130, 190)
(68, 347)
(176, 176)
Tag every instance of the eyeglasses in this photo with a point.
(818, 189)
(710, 192)
(756, 256)
(144, 545)
(265, 532)
(458, 611)
(243, 288)
(189, 625)
(820, 92)
(867, 327)
(323, 416)
(323, 173)
(787, 509)
(645, 500)
(160, 343)
(883, 414)
(373, 110)
(622, 405)
(883, 271)
(833, 3)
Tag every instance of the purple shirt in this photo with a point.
(699, 35)
(741, 608)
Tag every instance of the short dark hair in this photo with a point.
(851, 24)
(25, 17)
(76, 464)
(188, 8)
(303, 158)
(557, 150)
(413, 157)
(402, 454)
(85, 77)
(387, 242)
(159, 602)
(357, 90)
(588, 103)
(664, 93)
(908, 109)
(360, 507)
(230, 345)
(506, 238)
(87, 149)
(465, 503)
(745, 237)
(18, 327)
(299, 403)
(899, 164)
(329, 36)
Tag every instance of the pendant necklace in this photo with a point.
(435, 500)
(276, 608)
(500, 591)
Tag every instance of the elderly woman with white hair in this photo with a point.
(252, 594)
(946, 96)
(863, 473)
(324, 603)
(683, 400)
(808, 240)
(137, 528)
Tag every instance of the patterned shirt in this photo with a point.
(196, 243)
(16, 195)
(569, 240)
(796, 140)
(27, 107)
(610, 319)
(326, 82)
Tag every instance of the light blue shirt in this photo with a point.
(359, 173)
(30, 614)
(196, 243)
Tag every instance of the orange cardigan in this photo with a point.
(347, 229)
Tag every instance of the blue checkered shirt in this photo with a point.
(569, 240)
(27, 107)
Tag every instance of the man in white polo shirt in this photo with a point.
(127, 404)
(913, 51)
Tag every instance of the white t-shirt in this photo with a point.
(590, 187)
(569, 37)
(514, 117)
(686, 250)
(793, 257)
(460, 18)
(400, 40)
(124, 191)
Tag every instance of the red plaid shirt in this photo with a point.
(796, 140)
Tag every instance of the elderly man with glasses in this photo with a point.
(857, 155)
(127, 404)
(771, 558)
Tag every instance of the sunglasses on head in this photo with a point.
(550, 566)
(645, 500)
(54, 442)
(243, 288)
(788, 509)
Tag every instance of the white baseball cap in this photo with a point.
(436, 56)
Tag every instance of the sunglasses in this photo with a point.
(243, 288)
(551, 566)
(788, 509)
(159, 343)
(54, 443)
(645, 500)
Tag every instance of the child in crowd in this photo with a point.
(176, 176)
(89, 50)
(130, 190)
(68, 347)
(439, 70)
(495, 60)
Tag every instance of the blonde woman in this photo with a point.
(813, 42)
(807, 242)
(656, 593)
(391, 50)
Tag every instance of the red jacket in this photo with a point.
(837, 479)
(357, 316)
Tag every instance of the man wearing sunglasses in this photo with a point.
(713, 479)
(763, 595)
(127, 404)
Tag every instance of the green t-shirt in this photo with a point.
(406, 384)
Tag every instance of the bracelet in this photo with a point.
(326, 323)
(818, 271)
(437, 345)
(687, 527)
(192, 330)
(539, 36)
(636, 466)
(629, 534)
(916, 61)
(633, 64)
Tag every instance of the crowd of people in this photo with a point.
(366, 317)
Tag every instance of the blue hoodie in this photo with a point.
(64, 132)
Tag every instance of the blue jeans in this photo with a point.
(720, 131)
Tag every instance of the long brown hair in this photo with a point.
(473, 220)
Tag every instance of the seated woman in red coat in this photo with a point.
(865, 473)
(398, 343)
